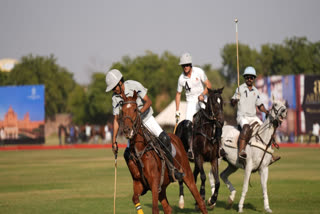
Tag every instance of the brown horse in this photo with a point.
(153, 172)
(207, 130)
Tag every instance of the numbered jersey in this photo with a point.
(193, 85)
(249, 99)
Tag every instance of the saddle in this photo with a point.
(153, 144)
(230, 135)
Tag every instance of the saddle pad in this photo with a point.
(173, 150)
(230, 136)
(259, 145)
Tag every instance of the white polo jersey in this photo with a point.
(193, 85)
(129, 87)
(249, 99)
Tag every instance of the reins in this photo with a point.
(211, 119)
(267, 145)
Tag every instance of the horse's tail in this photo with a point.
(181, 133)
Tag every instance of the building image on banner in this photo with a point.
(22, 114)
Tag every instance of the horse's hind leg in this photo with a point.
(137, 190)
(190, 183)
(224, 176)
(181, 195)
(264, 178)
(164, 201)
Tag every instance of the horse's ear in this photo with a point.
(135, 95)
(209, 90)
(220, 90)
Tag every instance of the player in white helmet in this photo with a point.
(121, 88)
(192, 80)
(247, 98)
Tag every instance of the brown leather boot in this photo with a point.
(242, 146)
(243, 139)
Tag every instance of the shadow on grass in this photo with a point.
(220, 204)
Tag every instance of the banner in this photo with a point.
(280, 88)
(22, 114)
(311, 101)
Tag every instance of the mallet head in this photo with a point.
(235, 20)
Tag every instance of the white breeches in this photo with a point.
(194, 107)
(242, 120)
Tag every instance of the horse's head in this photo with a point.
(130, 116)
(215, 105)
(278, 112)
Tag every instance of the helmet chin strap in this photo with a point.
(120, 87)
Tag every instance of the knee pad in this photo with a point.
(165, 139)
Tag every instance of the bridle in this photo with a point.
(213, 116)
(210, 119)
(136, 123)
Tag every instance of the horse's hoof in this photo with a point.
(268, 210)
(240, 210)
(210, 205)
(229, 203)
(196, 207)
(181, 202)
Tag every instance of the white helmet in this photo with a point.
(185, 59)
(249, 71)
(112, 79)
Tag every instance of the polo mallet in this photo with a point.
(175, 127)
(115, 183)
(236, 21)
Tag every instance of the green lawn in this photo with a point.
(82, 181)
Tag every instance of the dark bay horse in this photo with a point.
(207, 130)
(153, 172)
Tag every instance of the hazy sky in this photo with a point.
(86, 35)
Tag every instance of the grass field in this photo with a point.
(77, 181)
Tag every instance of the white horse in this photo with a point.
(259, 154)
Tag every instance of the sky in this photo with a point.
(90, 35)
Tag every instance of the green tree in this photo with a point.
(76, 105)
(247, 57)
(58, 82)
(99, 104)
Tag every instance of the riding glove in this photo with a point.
(178, 115)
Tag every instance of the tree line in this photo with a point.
(158, 73)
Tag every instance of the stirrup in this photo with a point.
(242, 155)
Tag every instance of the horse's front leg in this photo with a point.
(264, 178)
(246, 179)
(215, 170)
(199, 165)
(137, 190)
(164, 201)
(151, 172)
(181, 195)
